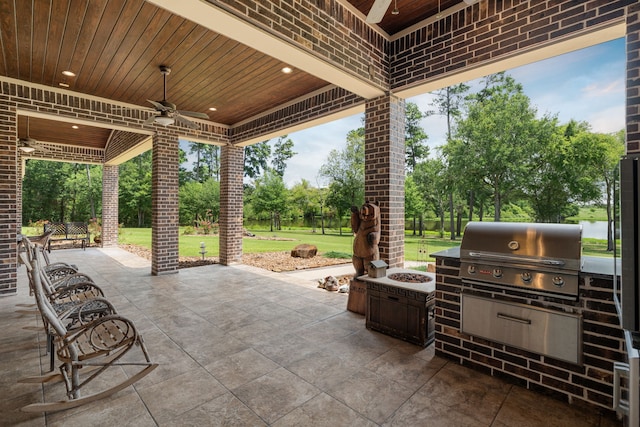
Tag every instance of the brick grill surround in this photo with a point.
(603, 340)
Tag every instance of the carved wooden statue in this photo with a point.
(365, 222)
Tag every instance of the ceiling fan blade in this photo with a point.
(158, 105)
(377, 11)
(150, 119)
(39, 147)
(185, 122)
(194, 114)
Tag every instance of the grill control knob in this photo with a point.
(558, 281)
(526, 277)
(471, 269)
(497, 273)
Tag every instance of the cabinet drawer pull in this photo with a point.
(514, 319)
(393, 298)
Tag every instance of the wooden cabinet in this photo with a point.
(405, 312)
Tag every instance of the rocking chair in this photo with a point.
(95, 346)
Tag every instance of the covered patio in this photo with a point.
(243, 346)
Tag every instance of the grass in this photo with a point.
(416, 248)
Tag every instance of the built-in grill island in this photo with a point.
(518, 300)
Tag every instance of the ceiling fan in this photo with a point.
(169, 114)
(28, 145)
(379, 9)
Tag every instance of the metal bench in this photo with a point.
(69, 231)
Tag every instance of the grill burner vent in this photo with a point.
(543, 259)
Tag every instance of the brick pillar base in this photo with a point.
(384, 172)
(231, 174)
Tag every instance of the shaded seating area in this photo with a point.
(85, 334)
(244, 346)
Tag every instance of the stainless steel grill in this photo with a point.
(543, 259)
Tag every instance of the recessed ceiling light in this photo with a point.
(287, 70)
(75, 127)
(213, 109)
(63, 84)
(69, 73)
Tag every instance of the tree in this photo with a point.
(135, 191)
(561, 172)
(256, 159)
(605, 151)
(270, 196)
(414, 204)
(345, 172)
(430, 179)
(448, 102)
(282, 151)
(415, 137)
(496, 138)
(199, 201)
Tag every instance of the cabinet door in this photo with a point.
(393, 313)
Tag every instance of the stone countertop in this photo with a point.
(426, 287)
(590, 264)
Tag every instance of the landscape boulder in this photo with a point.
(304, 251)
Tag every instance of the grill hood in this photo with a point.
(543, 246)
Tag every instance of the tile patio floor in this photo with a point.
(245, 347)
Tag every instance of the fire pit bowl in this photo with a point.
(410, 277)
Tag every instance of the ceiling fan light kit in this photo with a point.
(26, 149)
(164, 120)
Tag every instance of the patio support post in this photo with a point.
(110, 177)
(633, 80)
(384, 155)
(164, 203)
(231, 175)
(9, 215)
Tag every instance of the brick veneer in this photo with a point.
(164, 203)
(9, 178)
(325, 102)
(231, 175)
(384, 178)
(492, 30)
(325, 28)
(633, 80)
(110, 175)
(603, 341)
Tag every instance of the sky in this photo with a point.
(585, 85)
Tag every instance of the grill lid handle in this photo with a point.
(484, 255)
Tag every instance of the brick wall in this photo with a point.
(323, 27)
(110, 205)
(603, 341)
(121, 142)
(231, 175)
(633, 79)
(321, 104)
(384, 177)
(9, 203)
(492, 30)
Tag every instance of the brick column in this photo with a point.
(164, 204)
(231, 174)
(20, 166)
(633, 79)
(9, 216)
(384, 172)
(109, 205)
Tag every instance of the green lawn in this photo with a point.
(416, 248)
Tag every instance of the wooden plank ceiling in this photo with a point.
(114, 48)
